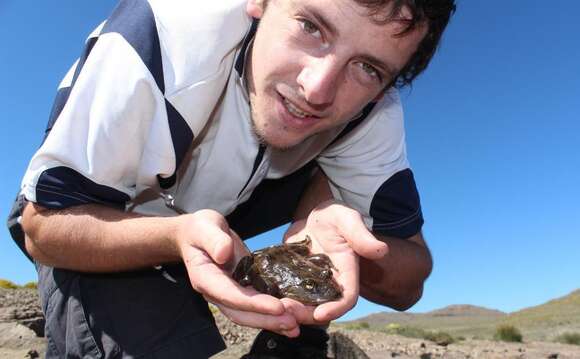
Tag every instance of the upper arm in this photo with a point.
(101, 127)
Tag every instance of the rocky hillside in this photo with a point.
(459, 320)
(19, 308)
(546, 321)
(465, 310)
(543, 322)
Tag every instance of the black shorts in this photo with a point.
(125, 315)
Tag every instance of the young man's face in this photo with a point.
(316, 63)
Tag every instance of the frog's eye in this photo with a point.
(326, 274)
(308, 284)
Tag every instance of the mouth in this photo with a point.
(295, 110)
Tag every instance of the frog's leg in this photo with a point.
(321, 260)
(264, 285)
(240, 274)
(302, 247)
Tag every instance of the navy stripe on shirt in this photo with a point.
(355, 122)
(63, 93)
(241, 59)
(182, 137)
(134, 20)
(62, 187)
(396, 207)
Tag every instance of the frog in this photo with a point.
(289, 270)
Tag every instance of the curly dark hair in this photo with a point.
(435, 13)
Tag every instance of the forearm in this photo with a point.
(95, 238)
(397, 279)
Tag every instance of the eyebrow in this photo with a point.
(380, 64)
(372, 60)
(321, 19)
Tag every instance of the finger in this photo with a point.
(291, 333)
(212, 281)
(207, 230)
(294, 230)
(362, 241)
(247, 299)
(222, 248)
(329, 311)
(238, 252)
(284, 324)
(304, 314)
(348, 279)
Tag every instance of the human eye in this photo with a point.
(310, 28)
(370, 70)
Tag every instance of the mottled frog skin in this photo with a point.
(290, 271)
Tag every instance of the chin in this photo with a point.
(278, 141)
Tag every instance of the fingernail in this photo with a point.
(283, 327)
(291, 333)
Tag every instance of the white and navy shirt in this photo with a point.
(157, 103)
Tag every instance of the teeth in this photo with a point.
(295, 111)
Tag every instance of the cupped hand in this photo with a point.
(339, 232)
(210, 250)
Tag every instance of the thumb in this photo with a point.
(294, 229)
(363, 242)
(221, 250)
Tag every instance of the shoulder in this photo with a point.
(187, 40)
(382, 128)
(198, 38)
(386, 118)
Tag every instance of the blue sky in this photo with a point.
(492, 130)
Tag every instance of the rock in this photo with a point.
(22, 306)
(32, 354)
(35, 324)
(232, 333)
(344, 348)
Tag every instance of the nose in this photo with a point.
(318, 80)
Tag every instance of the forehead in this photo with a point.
(360, 29)
(349, 10)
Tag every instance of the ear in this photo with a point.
(255, 8)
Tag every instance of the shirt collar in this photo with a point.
(240, 64)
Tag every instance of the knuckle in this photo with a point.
(197, 287)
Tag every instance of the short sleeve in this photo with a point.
(109, 117)
(368, 170)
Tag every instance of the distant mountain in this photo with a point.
(540, 322)
(465, 310)
(549, 319)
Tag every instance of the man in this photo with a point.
(182, 107)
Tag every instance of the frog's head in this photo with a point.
(314, 290)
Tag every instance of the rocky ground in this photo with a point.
(21, 321)
(21, 324)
